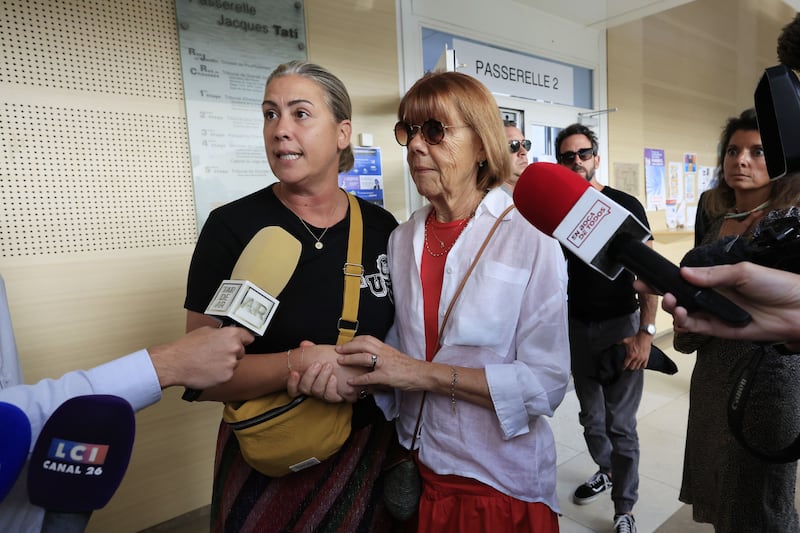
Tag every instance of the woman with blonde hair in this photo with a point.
(307, 114)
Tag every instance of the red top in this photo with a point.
(440, 237)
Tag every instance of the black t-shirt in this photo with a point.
(592, 296)
(311, 303)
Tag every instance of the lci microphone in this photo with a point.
(248, 299)
(605, 236)
(79, 460)
(15, 444)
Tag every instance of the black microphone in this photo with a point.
(79, 460)
(605, 236)
(15, 444)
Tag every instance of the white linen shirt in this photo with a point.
(132, 378)
(511, 320)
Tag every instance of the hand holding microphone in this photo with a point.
(248, 298)
(605, 236)
(771, 296)
(202, 358)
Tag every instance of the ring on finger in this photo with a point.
(374, 362)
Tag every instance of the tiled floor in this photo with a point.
(662, 433)
(662, 430)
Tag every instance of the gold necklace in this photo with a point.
(318, 244)
(444, 249)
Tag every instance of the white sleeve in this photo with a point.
(132, 378)
(535, 384)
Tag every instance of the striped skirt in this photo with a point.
(341, 494)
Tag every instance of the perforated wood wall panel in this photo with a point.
(94, 145)
(100, 46)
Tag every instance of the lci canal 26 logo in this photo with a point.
(76, 457)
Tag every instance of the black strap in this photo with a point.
(737, 404)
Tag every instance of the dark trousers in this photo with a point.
(608, 413)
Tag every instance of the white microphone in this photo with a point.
(241, 303)
(262, 271)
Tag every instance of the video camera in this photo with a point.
(777, 103)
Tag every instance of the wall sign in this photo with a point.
(515, 74)
(365, 179)
(228, 49)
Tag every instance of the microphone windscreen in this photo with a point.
(15, 443)
(545, 193)
(81, 454)
(269, 259)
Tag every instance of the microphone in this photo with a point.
(14, 445)
(239, 302)
(79, 460)
(605, 236)
(262, 271)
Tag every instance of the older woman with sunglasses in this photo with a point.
(475, 369)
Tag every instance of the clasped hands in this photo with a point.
(349, 372)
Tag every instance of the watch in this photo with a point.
(650, 329)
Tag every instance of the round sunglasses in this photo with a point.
(432, 131)
(515, 145)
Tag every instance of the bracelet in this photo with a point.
(453, 382)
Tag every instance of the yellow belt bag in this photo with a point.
(279, 434)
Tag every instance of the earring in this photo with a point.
(481, 164)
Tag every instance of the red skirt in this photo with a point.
(454, 504)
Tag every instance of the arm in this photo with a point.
(139, 377)
(536, 382)
(638, 346)
(399, 371)
(526, 373)
(202, 358)
(260, 374)
(772, 297)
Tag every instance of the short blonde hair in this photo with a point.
(441, 94)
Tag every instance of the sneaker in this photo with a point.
(624, 523)
(592, 489)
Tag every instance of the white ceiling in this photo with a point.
(601, 14)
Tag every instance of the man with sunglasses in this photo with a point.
(518, 147)
(603, 313)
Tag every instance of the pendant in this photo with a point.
(318, 246)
